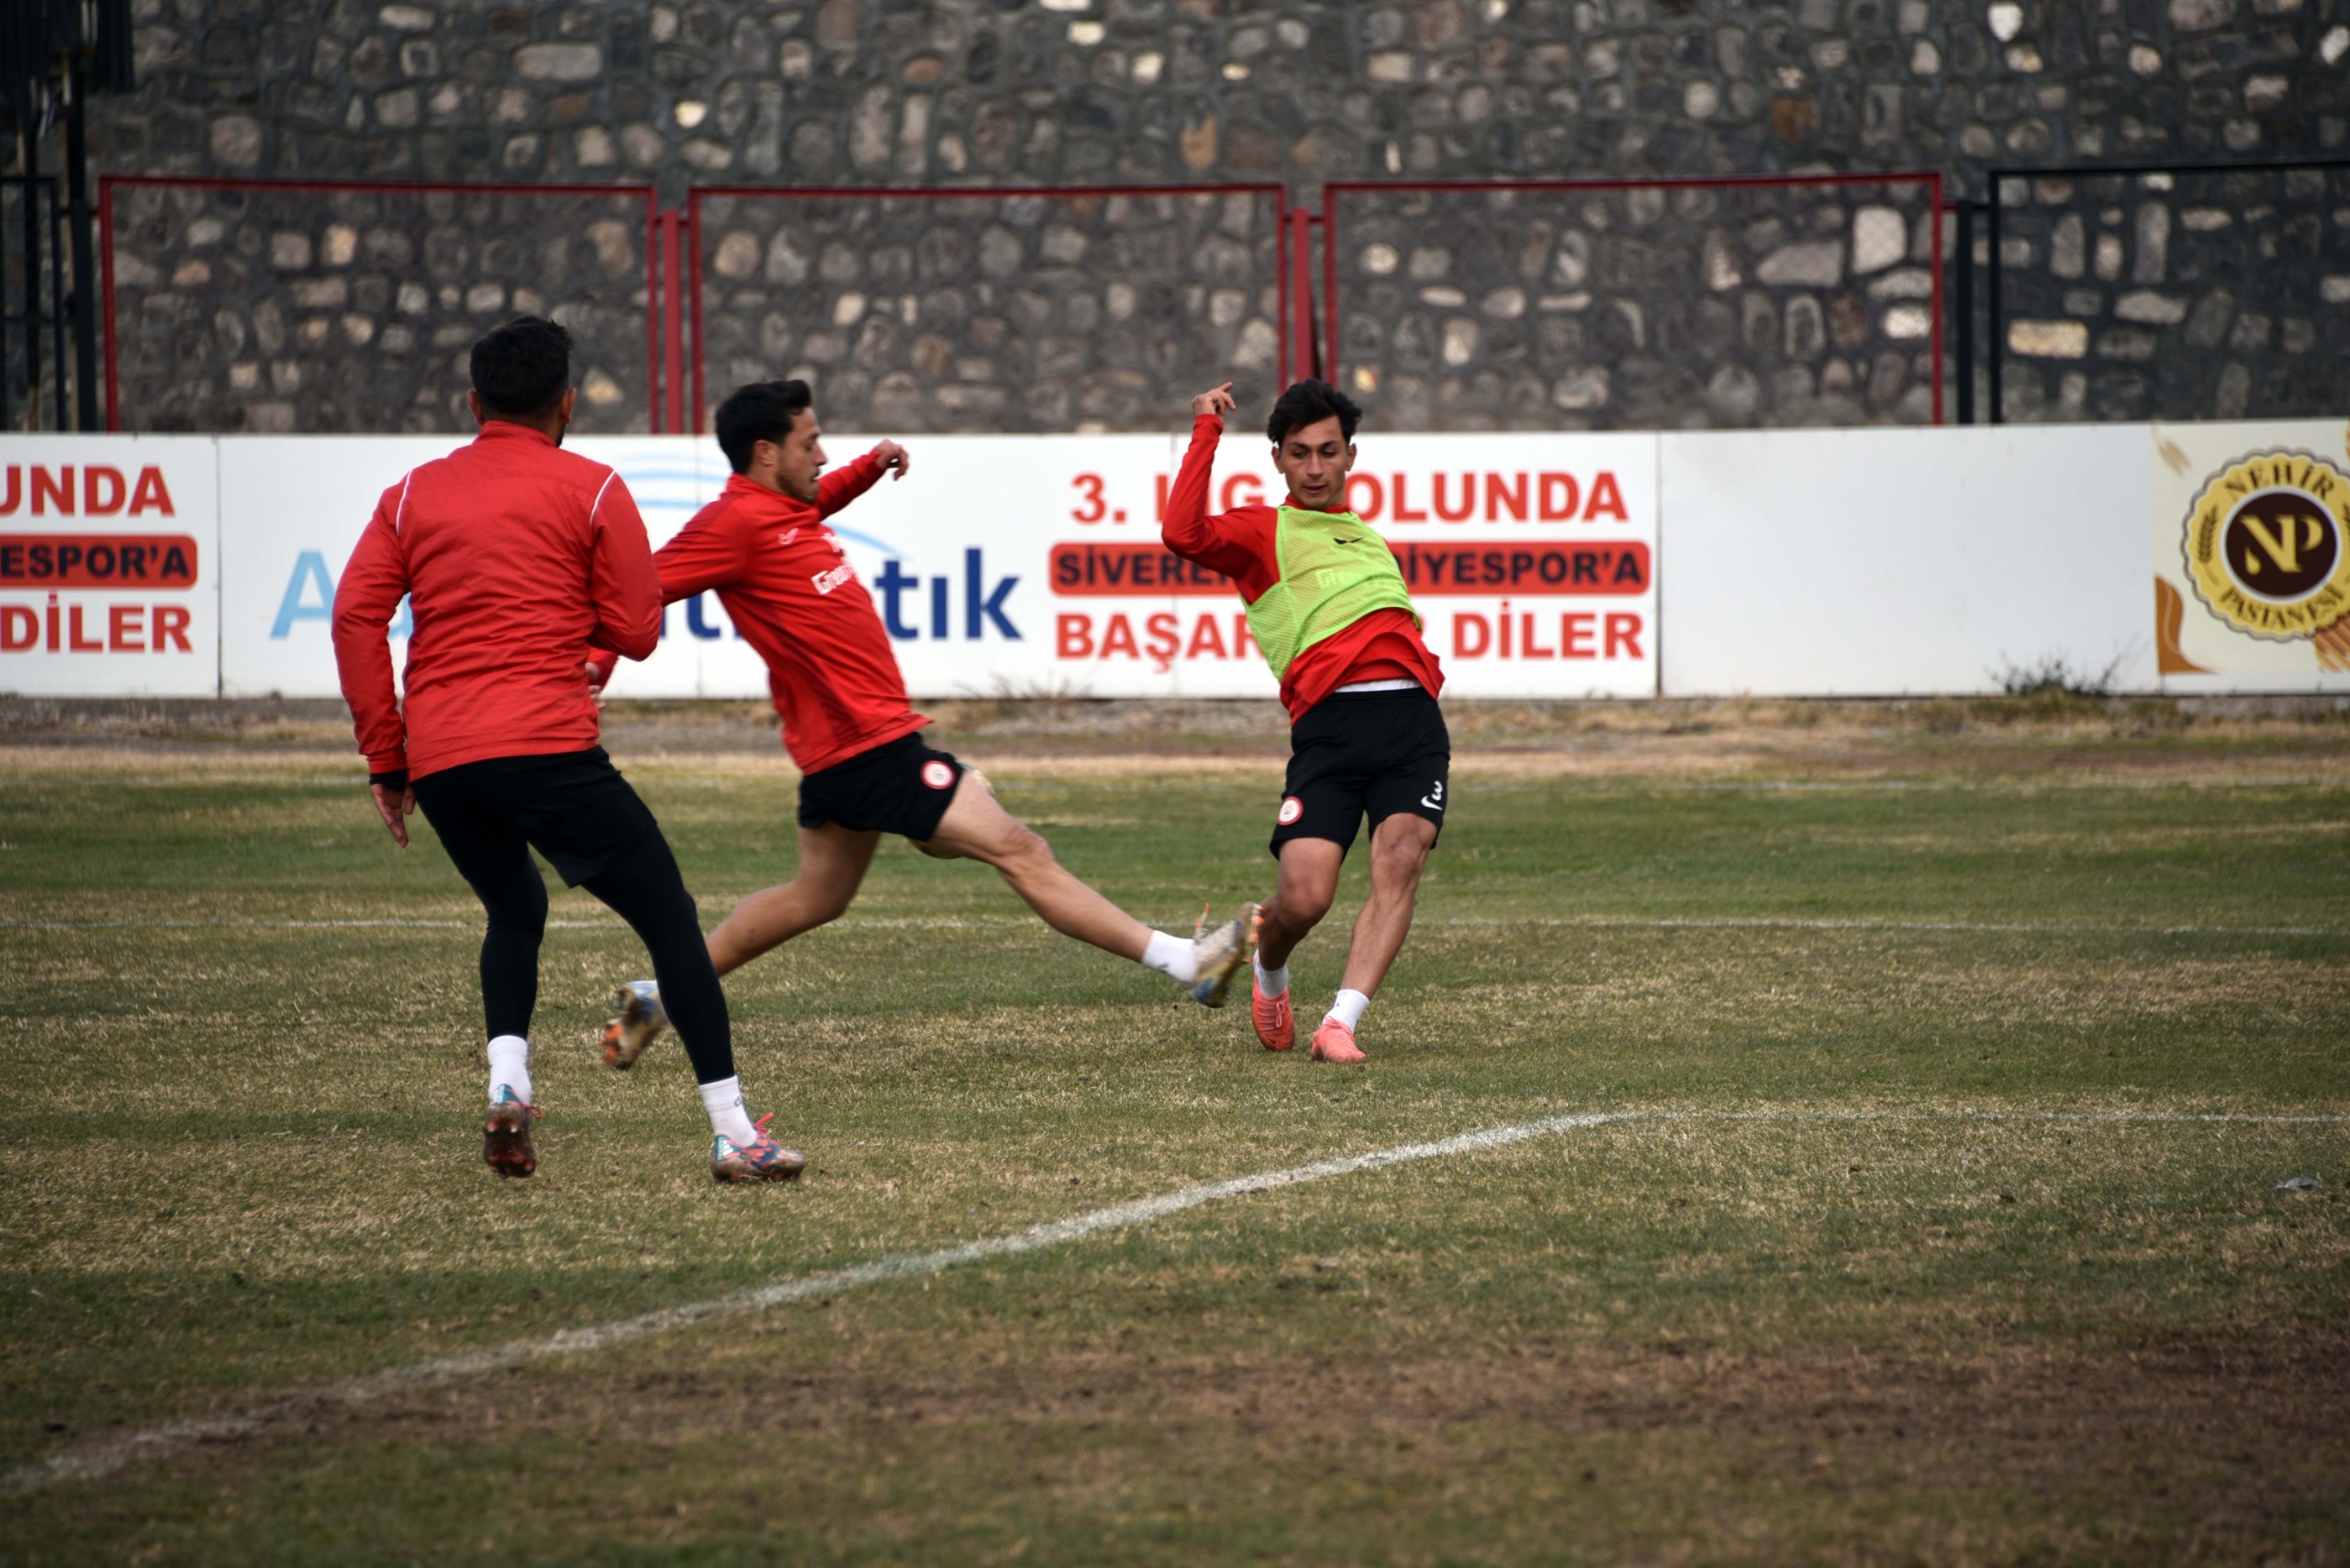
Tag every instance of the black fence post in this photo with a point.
(1996, 356)
(1964, 290)
(80, 223)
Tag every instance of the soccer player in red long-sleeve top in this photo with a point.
(1329, 607)
(516, 558)
(790, 591)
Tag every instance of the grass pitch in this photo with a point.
(1969, 1051)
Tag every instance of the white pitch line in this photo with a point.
(155, 1443)
(101, 1460)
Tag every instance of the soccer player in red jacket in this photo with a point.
(1329, 607)
(517, 559)
(790, 591)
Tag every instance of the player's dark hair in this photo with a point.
(522, 369)
(1308, 403)
(764, 410)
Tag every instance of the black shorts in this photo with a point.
(903, 787)
(572, 807)
(1358, 754)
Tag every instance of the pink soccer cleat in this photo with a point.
(1335, 1042)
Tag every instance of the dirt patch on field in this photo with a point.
(2232, 1430)
(2049, 736)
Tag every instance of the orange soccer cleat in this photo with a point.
(1275, 1025)
(1336, 1043)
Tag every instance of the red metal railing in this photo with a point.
(1333, 191)
(675, 393)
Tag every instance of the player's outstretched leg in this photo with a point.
(642, 887)
(978, 827)
(1399, 852)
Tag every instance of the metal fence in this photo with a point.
(1611, 303)
(261, 304)
(267, 305)
(36, 346)
(960, 310)
(2169, 292)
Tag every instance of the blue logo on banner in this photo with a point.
(310, 596)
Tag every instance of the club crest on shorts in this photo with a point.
(1292, 808)
(937, 775)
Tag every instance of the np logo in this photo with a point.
(937, 775)
(1292, 808)
(2268, 545)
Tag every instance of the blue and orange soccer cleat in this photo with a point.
(639, 1024)
(506, 1135)
(761, 1159)
(1216, 954)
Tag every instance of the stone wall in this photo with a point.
(261, 310)
(2177, 296)
(1819, 323)
(992, 313)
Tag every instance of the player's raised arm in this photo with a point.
(1234, 543)
(836, 490)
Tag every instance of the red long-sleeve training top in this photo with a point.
(790, 590)
(1383, 645)
(517, 559)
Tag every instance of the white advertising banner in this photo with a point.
(2252, 555)
(1805, 563)
(291, 510)
(1532, 558)
(1882, 562)
(109, 566)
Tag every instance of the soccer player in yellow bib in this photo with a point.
(1328, 608)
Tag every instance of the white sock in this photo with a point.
(1272, 982)
(509, 1066)
(1348, 1009)
(1171, 957)
(723, 1101)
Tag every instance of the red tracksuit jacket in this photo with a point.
(516, 559)
(790, 591)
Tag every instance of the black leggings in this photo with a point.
(640, 884)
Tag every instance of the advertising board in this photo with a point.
(2252, 555)
(109, 567)
(1887, 563)
(1803, 562)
